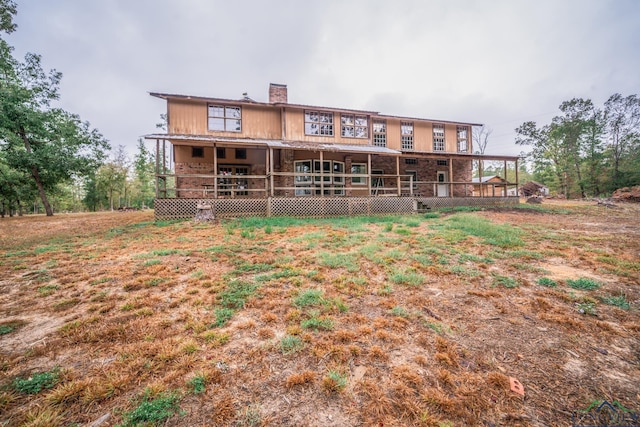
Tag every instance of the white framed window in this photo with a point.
(354, 126)
(358, 169)
(463, 138)
(303, 182)
(438, 137)
(326, 170)
(442, 162)
(380, 133)
(225, 118)
(406, 135)
(318, 123)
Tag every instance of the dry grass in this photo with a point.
(321, 322)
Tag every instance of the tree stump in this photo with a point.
(534, 199)
(204, 213)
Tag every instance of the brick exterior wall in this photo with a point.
(426, 168)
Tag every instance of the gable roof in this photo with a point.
(248, 101)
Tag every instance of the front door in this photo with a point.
(443, 186)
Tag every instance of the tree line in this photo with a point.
(587, 150)
(50, 158)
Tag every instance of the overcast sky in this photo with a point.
(497, 62)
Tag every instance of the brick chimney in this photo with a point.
(277, 93)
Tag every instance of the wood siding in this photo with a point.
(190, 118)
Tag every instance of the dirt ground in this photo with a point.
(396, 321)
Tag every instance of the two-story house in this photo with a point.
(248, 157)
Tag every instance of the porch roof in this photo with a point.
(274, 143)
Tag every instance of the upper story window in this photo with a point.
(225, 118)
(353, 126)
(406, 135)
(380, 133)
(463, 138)
(438, 137)
(318, 123)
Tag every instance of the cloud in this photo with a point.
(499, 63)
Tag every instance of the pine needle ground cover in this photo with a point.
(399, 320)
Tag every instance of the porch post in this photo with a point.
(266, 172)
(398, 175)
(321, 174)
(271, 171)
(450, 177)
(157, 166)
(517, 180)
(215, 171)
(369, 174)
(480, 177)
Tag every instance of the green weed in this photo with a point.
(507, 282)
(502, 235)
(334, 381)
(408, 278)
(152, 411)
(308, 297)
(583, 283)
(339, 260)
(237, 293)
(290, 344)
(545, 281)
(619, 301)
(317, 323)
(223, 315)
(399, 311)
(47, 290)
(36, 382)
(198, 384)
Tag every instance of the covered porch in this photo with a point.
(192, 167)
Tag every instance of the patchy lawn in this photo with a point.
(399, 320)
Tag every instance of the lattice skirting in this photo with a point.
(318, 206)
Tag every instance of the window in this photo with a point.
(353, 126)
(359, 169)
(410, 161)
(438, 137)
(197, 151)
(406, 135)
(224, 118)
(231, 183)
(380, 133)
(303, 182)
(221, 153)
(414, 174)
(241, 153)
(325, 170)
(462, 132)
(441, 163)
(318, 123)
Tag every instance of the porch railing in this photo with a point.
(288, 184)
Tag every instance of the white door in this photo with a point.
(443, 187)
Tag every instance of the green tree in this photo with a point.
(143, 168)
(111, 178)
(46, 143)
(622, 118)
